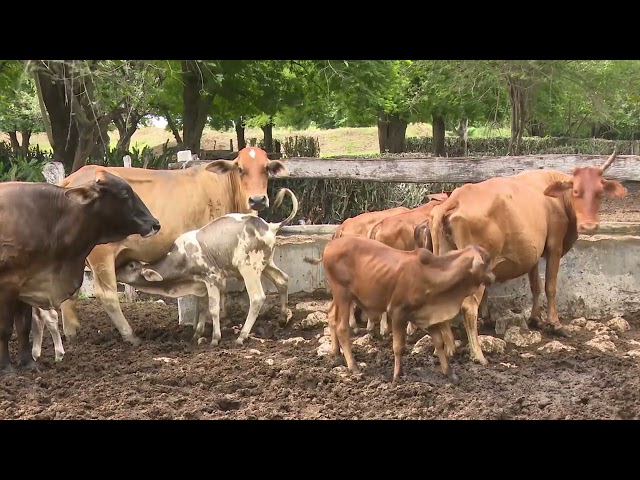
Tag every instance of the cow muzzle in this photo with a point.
(588, 227)
(155, 228)
(258, 202)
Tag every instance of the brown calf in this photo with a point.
(415, 286)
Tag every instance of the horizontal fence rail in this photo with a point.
(447, 169)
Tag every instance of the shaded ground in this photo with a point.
(167, 378)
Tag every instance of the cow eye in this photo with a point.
(240, 170)
(124, 193)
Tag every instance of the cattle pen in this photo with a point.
(285, 372)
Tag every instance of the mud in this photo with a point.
(167, 377)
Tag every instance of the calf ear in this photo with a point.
(277, 168)
(556, 189)
(151, 275)
(221, 166)
(613, 189)
(83, 194)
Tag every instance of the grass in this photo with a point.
(339, 141)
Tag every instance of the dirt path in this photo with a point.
(270, 378)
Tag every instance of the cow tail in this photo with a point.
(277, 202)
(418, 236)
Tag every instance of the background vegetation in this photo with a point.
(97, 111)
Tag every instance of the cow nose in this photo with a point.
(155, 228)
(257, 202)
(588, 227)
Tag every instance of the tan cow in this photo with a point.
(182, 200)
(415, 286)
(519, 219)
(397, 231)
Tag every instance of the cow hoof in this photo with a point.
(59, 357)
(135, 341)
(70, 338)
(29, 366)
(561, 331)
(535, 322)
(481, 361)
(214, 343)
(7, 370)
(201, 341)
(336, 361)
(453, 378)
(239, 341)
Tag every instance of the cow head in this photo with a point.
(586, 187)
(136, 272)
(254, 168)
(116, 206)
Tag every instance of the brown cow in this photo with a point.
(397, 231)
(519, 219)
(182, 200)
(47, 232)
(415, 286)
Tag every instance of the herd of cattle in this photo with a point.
(184, 232)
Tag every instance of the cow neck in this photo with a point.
(77, 226)
(239, 195)
(566, 197)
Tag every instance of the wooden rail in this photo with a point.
(448, 170)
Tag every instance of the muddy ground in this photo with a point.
(276, 377)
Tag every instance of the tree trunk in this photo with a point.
(240, 133)
(391, 133)
(438, 135)
(267, 130)
(173, 127)
(127, 127)
(15, 145)
(26, 137)
(463, 133)
(196, 107)
(86, 145)
(63, 129)
(518, 103)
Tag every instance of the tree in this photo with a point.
(19, 109)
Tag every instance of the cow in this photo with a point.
(520, 219)
(183, 200)
(47, 232)
(397, 231)
(362, 225)
(40, 318)
(411, 286)
(234, 245)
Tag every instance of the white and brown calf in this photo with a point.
(40, 318)
(234, 245)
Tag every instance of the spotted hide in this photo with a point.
(234, 245)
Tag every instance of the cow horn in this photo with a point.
(609, 161)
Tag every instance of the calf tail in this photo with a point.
(422, 236)
(278, 201)
(313, 261)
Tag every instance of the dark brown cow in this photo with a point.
(520, 219)
(182, 200)
(47, 232)
(415, 286)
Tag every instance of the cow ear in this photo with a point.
(613, 189)
(151, 275)
(83, 194)
(221, 166)
(277, 168)
(556, 189)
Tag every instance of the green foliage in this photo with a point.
(19, 107)
(18, 168)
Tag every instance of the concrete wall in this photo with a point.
(600, 276)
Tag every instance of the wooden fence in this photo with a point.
(449, 169)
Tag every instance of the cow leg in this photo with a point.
(553, 265)
(51, 320)
(106, 290)
(448, 338)
(399, 329)
(535, 319)
(223, 292)
(353, 323)
(485, 313)
(470, 306)
(70, 322)
(256, 300)
(343, 309)
(23, 319)
(37, 326)
(6, 329)
(436, 332)
(281, 281)
(214, 294)
(333, 331)
(200, 320)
